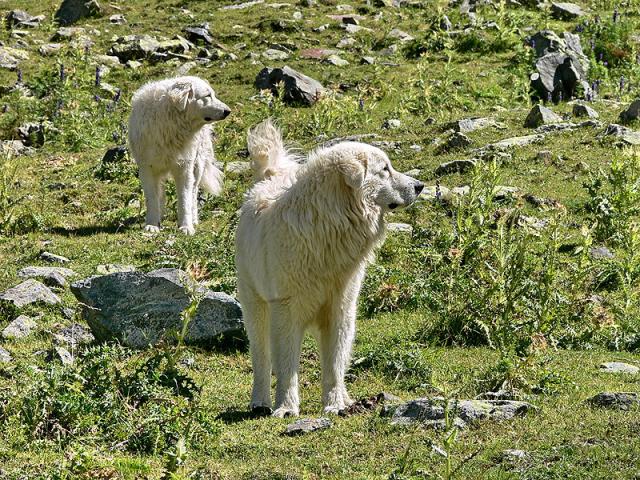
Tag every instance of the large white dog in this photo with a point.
(305, 236)
(170, 135)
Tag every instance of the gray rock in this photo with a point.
(13, 148)
(142, 309)
(237, 167)
(242, 6)
(558, 75)
(307, 425)
(631, 113)
(44, 272)
(366, 60)
(317, 53)
(74, 335)
(20, 327)
(61, 354)
(400, 35)
(619, 367)
(467, 125)
(399, 228)
(10, 58)
(600, 253)
(21, 19)
(5, 356)
(28, 292)
(582, 110)
(512, 454)
(71, 11)
(458, 140)
(502, 192)
(615, 400)
(199, 34)
(272, 54)
(431, 411)
(105, 269)
(53, 258)
(566, 11)
(346, 42)
(455, 166)
(67, 33)
(336, 61)
(32, 134)
(540, 115)
(299, 89)
(134, 47)
(445, 23)
(392, 124)
(50, 49)
(117, 19)
(512, 142)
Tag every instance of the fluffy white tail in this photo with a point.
(211, 179)
(268, 154)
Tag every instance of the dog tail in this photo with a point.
(211, 179)
(267, 151)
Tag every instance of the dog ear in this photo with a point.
(354, 169)
(180, 93)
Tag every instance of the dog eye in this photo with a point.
(386, 169)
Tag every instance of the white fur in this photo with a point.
(305, 236)
(170, 135)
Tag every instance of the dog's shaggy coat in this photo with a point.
(170, 135)
(305, 235)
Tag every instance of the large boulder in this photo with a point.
(299, 89)
(561, 66)
(141, 309)
(71, 11)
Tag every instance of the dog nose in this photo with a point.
(418, 187)
(225, 113)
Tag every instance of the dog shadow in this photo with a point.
(233, 415)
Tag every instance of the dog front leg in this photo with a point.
(185, 184)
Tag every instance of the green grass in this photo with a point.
(438, 286)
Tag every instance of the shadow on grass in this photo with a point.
(231, 415)
(89, 230)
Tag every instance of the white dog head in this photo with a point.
(369, 169)
(196, 98)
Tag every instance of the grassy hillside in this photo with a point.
(487, 292)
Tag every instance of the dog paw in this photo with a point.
(332, 409)
(152, 229)
(187, 230)
(284, 412)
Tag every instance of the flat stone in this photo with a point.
(367, 60)
(566, 11)
(583, 110)
(43, 272)
(62, 354)
(237, 167)
(467, 125)
(399, 228)
(430, 412)
(134, 47)
(21, 19)
(274, 55)
(508, 143)
(400, 35)
(50, 49)
(392, 124)
(541, 115)
(615, 400)
(141, 309)
(107, 268)
(317, 53)
(336, 61)
(10, 58)
(5, 356)
(199, 34)
(242, 6)
(619, 367)
(307, 425)
(346, 42)
(67, 33)
(108, 60)
(502, 192)
(19, 327)
(514, 454)
(453, 166)
(53, 258)
(28, 292)
(117, 19)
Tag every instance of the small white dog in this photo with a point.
(170, 135)
(305, 236)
